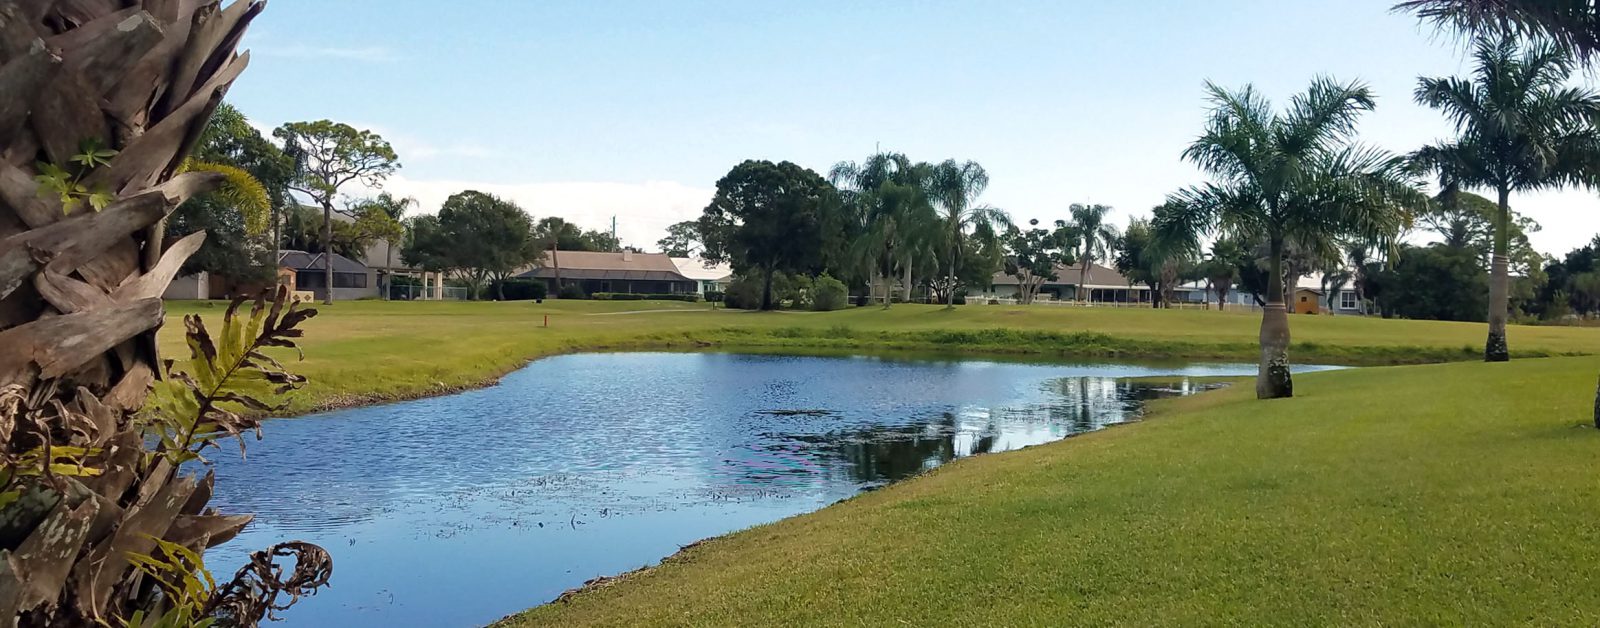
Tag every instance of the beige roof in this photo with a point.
(601, 260)
(1097, 277)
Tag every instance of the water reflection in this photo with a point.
(457, 510)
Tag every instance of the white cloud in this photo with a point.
(643, 210)
(370, 54)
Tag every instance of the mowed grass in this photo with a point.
(1454, 494)
(365, 351)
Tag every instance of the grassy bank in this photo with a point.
(1457, 494)
(368, 351)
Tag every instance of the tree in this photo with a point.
(1436, 282)
(1519, 128)
(1096, 239)
(890, 204)
(683, 239)
(767, 218)
(1295, 176)
(328, 156)
(955, 189)
(1574, 24)
(101, 102)
(1222, 268)
(480, 235)
(385, 216)
(1136, 258)
(1035, 255)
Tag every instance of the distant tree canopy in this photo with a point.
(329, 156)
(241, 219)
(569, 237)
(1438, 281)
(1034, 255)
(683, 239)
(478, 235)
(768, 218)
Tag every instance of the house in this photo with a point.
(351, 279)
(1343, 298)
(709, 277)
(601, 271)
(1101, 283)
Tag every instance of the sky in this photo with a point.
(595, 109)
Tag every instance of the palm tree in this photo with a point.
(1519, 128)
(955, 191)
(395, 208)
(888, 197)
(1574, 24)
(1283, 178)
(112, 105)
(1095, 239)
(1221, 269)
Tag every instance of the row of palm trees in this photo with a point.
(1298, 180)
(913, 218)
(918, 219)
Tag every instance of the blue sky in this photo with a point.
(590, 109)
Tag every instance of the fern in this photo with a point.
(222, 387)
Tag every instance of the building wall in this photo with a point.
(196, 286)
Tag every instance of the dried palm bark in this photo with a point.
(80, 290)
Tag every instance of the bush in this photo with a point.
(743, 293)
(519, 289)
(828, 294)
(572, 291)
(714, 296)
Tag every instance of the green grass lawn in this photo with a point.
(1455, 494)
(365, 351)
(1462, 493)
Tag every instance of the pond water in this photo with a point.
(457, 510)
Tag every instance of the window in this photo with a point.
(1347, 300)
(1302, 298)
(349, 280)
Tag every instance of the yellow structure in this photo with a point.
(1307, 301)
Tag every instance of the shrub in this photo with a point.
(743, 293)
(519, 289)
(714, 296)
(572, 291)
(828, 294)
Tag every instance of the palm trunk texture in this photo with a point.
(80, 290)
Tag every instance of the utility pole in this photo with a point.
(614, 232)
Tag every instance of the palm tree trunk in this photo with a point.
(950, 280)
(327, 251)
(388, 271)
(555, 260)
(1083, 272)
(906, 285)
(1273, 380)
(80, 290)
(1495, 349)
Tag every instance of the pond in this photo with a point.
(455, 511)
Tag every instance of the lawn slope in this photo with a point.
(1458, 494)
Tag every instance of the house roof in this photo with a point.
(1097, 277)
(607, 265)
(698, 270)
(301, 260)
